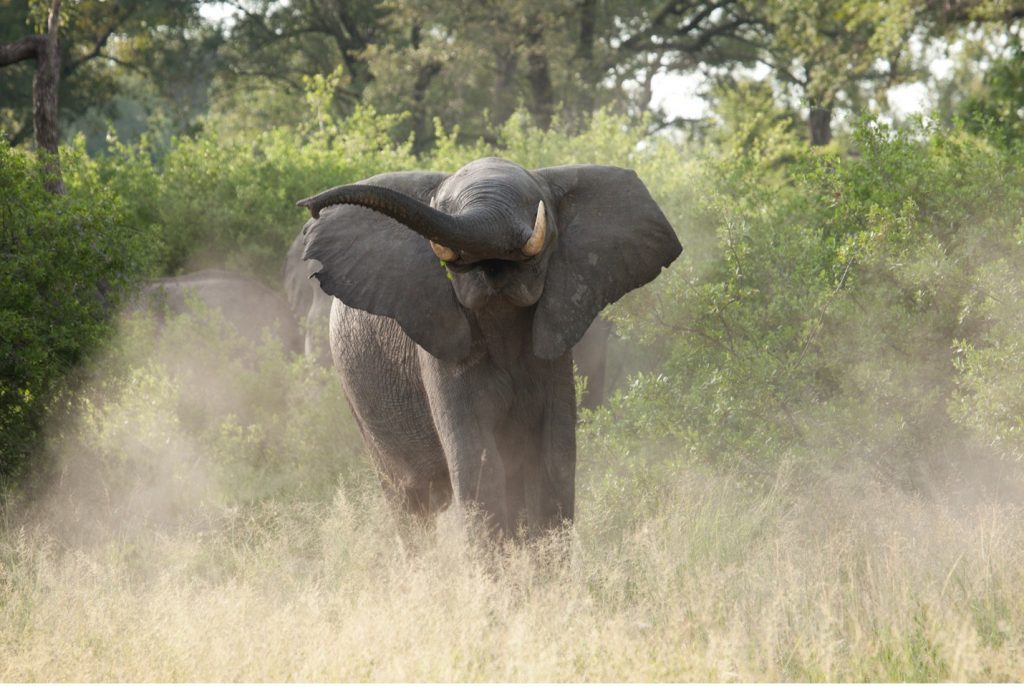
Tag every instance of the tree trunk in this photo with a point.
(44, 48)
(423, 131)
(583, 101)
(503, 102)
(538, 74)
(44, 100)
(819, 123)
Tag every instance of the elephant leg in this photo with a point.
(515, 497)
(427, 501)
(465, 407)
(550, 477)
(478, 483)
(378, 369)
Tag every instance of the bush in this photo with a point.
(65, 262)
(230, 202)
(828, 323)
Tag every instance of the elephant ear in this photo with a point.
(373, 263)
(612, 238)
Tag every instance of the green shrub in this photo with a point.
(830, 307)
(65, 261)
(230, 202)
(824, 325)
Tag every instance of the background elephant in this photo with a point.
(245, 303)
(482, 411)
(312, 307)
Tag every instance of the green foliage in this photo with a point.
(997, 109)
(220, 201)
(838, 53)
(990, 394)
(829, 309)
(65, 262)
(828, 322)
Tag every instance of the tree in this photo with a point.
(675, 36)
(470, 63)
(134, 55)
(826, 52)
(43, 47)
(985, 87)
(480, 61)
(276, 44)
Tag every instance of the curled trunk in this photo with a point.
(470, 233)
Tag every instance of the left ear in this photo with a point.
(612, 238)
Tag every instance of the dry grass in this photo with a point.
(702, 581)
(172, 547)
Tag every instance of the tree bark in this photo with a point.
(819, 124)
(423, 132)
(45, 49)
(502, 100)
(22, 49)
(538, 75)
(585, 67)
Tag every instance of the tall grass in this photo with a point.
(181, 539)
(710, 583)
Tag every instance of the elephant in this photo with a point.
(457, 300)
(312, 307)
(309, 304)
(244, 302)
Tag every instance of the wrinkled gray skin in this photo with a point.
(245, 303)
(312, 307)
(462, 385)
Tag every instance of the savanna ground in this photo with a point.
(810, 468)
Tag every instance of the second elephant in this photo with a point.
(249, 306)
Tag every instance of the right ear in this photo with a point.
(373, 263)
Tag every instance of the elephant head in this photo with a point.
(441, 248)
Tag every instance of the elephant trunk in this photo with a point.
(459, 232)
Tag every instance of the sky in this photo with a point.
(679, 94)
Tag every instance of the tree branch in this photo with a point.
(124, 63)
(26, 48)
(93, 53)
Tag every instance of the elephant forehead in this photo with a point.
(493, 181)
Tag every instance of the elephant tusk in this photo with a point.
(535, 243)
(443, 252)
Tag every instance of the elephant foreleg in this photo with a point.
(465, 411)
(550, 478)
